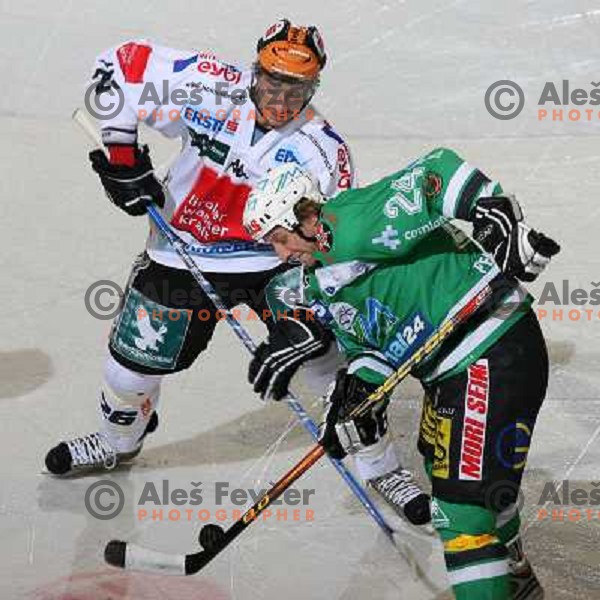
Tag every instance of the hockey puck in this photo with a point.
(211, 536)
(114, 553)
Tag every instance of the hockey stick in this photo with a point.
(214, 539)
(180, 247)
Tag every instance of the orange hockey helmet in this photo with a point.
(291, 51)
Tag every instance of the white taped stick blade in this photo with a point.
(141, 559)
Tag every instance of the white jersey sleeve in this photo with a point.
(135, 82)
(329, 158)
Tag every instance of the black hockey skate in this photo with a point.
(401, 492)
(92, 452)
(524, 585)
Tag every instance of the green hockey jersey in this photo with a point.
(393, 267)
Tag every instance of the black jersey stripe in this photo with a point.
(469, 193)
(455, 560)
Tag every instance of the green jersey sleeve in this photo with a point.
(388, 219)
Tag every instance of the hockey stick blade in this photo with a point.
(134, 557)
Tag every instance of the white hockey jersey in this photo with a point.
(206, 102)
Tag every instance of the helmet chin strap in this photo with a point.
(306, 238)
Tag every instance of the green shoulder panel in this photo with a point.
(386, 220)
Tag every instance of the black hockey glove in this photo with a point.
(129, 188)
(291, 342)
(341, 435)
(519, 251)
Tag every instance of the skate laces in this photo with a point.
(92, 449)
(398, 486)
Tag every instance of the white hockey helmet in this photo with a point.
(272, 201)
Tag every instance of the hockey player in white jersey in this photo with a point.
(235, 124)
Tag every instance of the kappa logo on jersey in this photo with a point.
(475, 421)
(343, 166)
(285, 155)
(216, 68)
(237, 168)
(133, 59)
(388, 237)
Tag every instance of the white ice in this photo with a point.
(403, 77)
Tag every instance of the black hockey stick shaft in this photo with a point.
(131, 556)
(195, 562)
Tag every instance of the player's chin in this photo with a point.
(277, 122)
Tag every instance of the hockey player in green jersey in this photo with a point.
(383, 268)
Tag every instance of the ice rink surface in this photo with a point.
(403, 77)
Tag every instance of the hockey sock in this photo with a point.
(476, 560)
